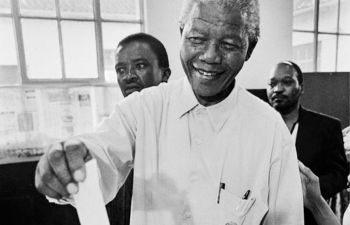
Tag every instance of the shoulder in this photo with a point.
(162, 91)
(310, 116)
(150, 100)
(155, 93)
(255, 107)
(264, 119)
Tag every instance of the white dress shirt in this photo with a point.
(181, 151)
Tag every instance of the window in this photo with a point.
(63, 40)
(321, 35)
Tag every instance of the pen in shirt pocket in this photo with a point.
(244, 205)
(246, 195)
(221, 186)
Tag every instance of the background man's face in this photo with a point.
(213, 49)
(137, 67)
(283, 89)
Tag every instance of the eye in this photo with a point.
(288, 82)
(272, 84)
(140, 66)
(229, 46)
(196, 40)
(120, 70)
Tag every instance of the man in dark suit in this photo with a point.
(318, 137)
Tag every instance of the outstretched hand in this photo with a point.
(61, 168)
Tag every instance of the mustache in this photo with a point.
(274, 96)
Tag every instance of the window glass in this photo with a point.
(344, 20)
(79, 47)
(112, 34)
(303, 50)
(328, 16)
(8, 58)
(41, 47)
(303, 14)
(326, 53)
(44, 8)
(76, 9)
(344, 54)
(5, 6)
(120, 9)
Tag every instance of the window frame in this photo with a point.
(316, 33)
(96, 19)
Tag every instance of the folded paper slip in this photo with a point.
(89, 201)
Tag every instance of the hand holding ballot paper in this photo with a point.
(88, 201)
(57, 176)
(83, 187)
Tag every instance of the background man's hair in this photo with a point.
(300, 76)
(156, 46)
(248, 8)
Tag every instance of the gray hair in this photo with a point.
(248, 8)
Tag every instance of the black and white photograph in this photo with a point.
(174, 112)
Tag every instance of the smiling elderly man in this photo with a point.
(204, 150)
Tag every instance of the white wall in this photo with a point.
(161, 20)
(274, 45)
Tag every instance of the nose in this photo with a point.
(211, 55)
(278, 88)
(130, 76)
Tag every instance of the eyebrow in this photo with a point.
(119, 64)
(229, 36)
(139, 59)
(133, 60)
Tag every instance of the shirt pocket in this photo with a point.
(235, 211)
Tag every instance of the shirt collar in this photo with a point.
(218, 113)
(186, 99)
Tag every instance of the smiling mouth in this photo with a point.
(209, 75)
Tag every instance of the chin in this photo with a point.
(279, 108)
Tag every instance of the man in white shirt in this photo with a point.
(204, 150)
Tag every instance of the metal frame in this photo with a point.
(316, 33)
(97, 19)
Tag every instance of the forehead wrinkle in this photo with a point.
(234, 34)
(217, 22)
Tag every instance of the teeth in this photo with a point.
(204, 73)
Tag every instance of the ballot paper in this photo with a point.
(89, 201)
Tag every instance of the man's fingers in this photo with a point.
(57, 161)
(46, 181)
(61, 168)
(76, 155)
(46, 190)
(304, 170)
(346, 130)
(43, 188)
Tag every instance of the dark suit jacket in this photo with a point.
(320, 147)
(119, 208)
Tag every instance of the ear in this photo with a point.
(166, 74)
(301, 89)
(252, 44)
